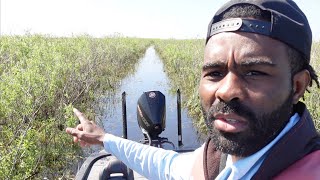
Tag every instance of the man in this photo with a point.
(255, 70)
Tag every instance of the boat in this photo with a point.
(152, 122)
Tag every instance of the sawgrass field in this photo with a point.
(42, 78)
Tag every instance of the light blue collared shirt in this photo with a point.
(156, 163)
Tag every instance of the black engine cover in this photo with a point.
(151, 112)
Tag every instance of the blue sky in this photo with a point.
(139, 18)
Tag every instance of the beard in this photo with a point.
(262, 129)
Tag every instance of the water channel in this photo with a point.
(149, 75)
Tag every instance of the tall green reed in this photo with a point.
(41, 79)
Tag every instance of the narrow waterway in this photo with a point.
(149, 75)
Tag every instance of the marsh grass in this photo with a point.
(41, 79)
(182, 60)
(312, 99)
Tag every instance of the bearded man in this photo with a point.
(256, 68)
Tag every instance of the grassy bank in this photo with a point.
(183, 59)
(312, 99)
(42, 78)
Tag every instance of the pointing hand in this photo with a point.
(87, 132)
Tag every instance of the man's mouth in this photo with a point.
(231, 123)
(231, 120)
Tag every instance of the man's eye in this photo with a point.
(215, 74)
(256, 73)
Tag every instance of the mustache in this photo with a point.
(231, 107)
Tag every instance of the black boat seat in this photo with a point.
(104, 166)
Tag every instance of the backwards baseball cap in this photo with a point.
(288, 23)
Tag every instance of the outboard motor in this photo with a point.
(151, 114)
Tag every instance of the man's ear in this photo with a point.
(301, 81)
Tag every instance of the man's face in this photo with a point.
(245, 90)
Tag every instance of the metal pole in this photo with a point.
(124, 116)
(179, 117)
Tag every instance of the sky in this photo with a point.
(179, 19)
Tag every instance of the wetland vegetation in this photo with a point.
(42, 78)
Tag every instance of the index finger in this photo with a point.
(80, 116)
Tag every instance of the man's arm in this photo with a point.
(151, 162)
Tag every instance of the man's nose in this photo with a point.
(231, 87)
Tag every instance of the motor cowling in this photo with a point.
(151, 113)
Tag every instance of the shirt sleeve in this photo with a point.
(151, 162)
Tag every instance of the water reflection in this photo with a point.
(149, 75)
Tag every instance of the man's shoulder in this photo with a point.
(306, 168)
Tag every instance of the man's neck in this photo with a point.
(235, 158)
